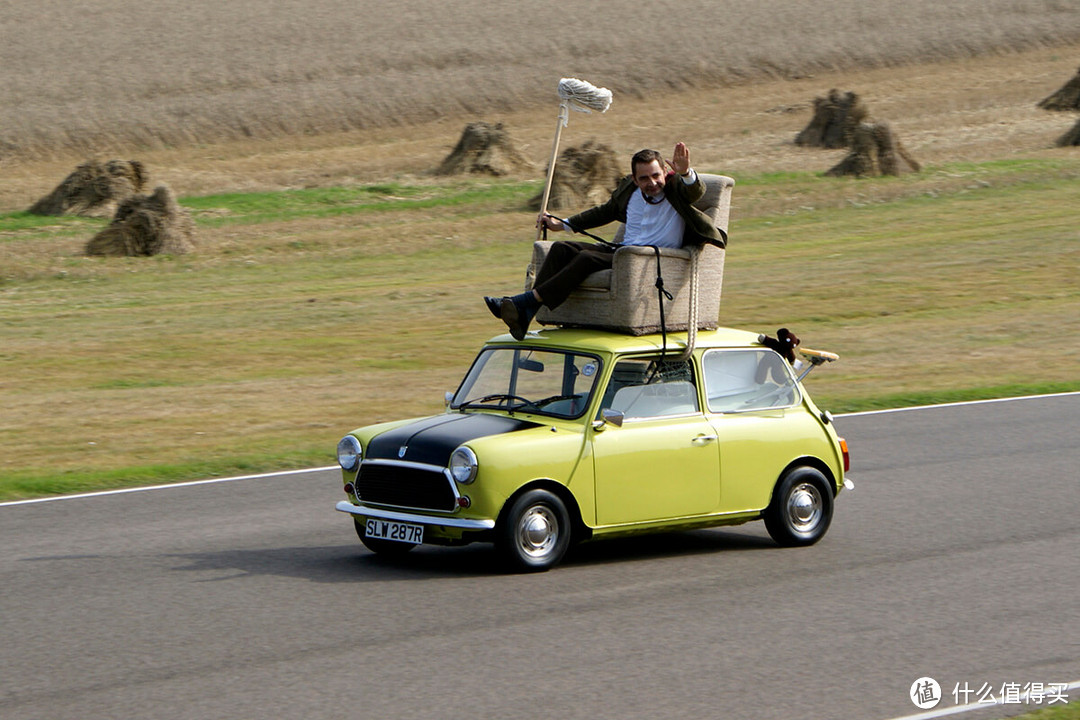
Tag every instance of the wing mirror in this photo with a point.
(613, 417)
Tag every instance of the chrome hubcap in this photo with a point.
(804, 507)
(538, 531)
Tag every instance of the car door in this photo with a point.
(662, 461)
(753, 398)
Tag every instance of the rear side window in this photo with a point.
(742, 380)
(650, 387)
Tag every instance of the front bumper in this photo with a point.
(461, 523)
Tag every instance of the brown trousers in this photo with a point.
(568, 262)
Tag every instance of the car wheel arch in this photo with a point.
(579, 530)
(812, 462)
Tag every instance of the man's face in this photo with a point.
(649, 177)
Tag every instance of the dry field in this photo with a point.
(964, 109)
(89, 76)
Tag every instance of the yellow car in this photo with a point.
(575, 435)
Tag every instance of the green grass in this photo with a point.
(248, 208)
(213, 211)
(1071, 711)
(306, 313)
(946, 396)
(35, 483)
(15, 225)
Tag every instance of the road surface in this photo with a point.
(956, 557)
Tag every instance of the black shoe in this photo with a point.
(515, 319)
(494, 304)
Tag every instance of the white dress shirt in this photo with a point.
(658, 224)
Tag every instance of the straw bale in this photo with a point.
(890, 151)
(835, 116)
(1067, 98)
(584, 176)
(875, 150)
(146, 225)
(1070, 138)
(484, 149)
(94, 189)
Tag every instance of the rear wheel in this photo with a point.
(535, 533)
(801, 508)
(380, 546)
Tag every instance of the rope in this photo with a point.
(692, 315)
(661, 293)
(566, 223)
(692, 319)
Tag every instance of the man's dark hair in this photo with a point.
(644, 157)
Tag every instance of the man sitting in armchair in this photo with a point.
(657, 210)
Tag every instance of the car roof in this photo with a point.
(618, 343)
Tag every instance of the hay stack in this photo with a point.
(875, 151)
(94, 189)
(146, 225)
(584, 176)
(1067, 98)
(835, 117)
(484, 149)
(1070, 138)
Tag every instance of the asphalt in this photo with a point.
(956, 557)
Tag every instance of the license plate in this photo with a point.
(396, 531)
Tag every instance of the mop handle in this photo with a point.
(564, 116)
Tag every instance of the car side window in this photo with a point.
(742, 380)
(649, 387)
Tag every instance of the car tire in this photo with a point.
(801, 508)
(535, 533)
(380, 546)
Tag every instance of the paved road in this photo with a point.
(957, 556)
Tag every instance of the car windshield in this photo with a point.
(517, 379)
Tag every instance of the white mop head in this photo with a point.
(584, 97)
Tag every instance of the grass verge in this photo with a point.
(1071, 711)
(306, 313)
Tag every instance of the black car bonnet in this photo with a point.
(432, 440)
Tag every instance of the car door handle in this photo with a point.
(703, 439)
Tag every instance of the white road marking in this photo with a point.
(957, 709)
(957, 404)
(170, 486)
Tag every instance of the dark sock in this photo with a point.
(527, 306)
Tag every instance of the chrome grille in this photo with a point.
(405, 486)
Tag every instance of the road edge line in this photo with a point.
(957, 709)
(211, 481)
(165, 486)
(961, 403)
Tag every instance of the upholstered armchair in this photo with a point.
(625, 298)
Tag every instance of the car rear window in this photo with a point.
(743, 380)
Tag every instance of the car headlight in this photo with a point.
(349, 453)
(463, 465)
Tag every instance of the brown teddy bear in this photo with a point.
(784, 343)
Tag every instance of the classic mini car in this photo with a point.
(575, 435)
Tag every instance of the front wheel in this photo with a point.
(801, 508)
(535, 533)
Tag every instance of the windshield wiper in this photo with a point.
(504, 399)
(555, 398)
